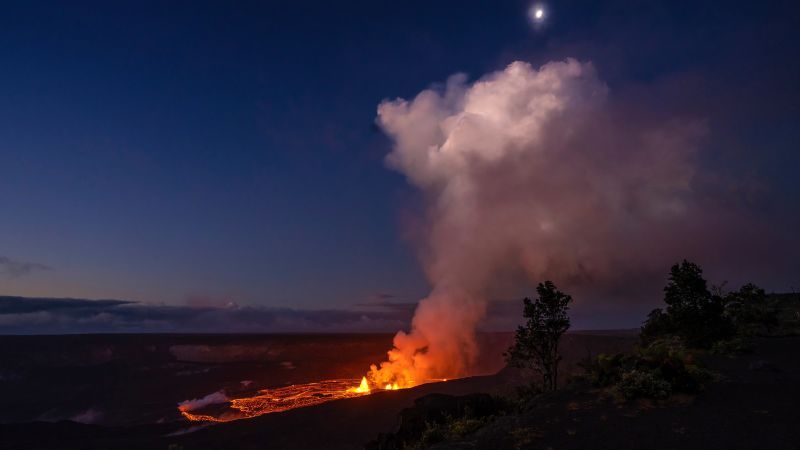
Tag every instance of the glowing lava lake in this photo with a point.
(285, 398)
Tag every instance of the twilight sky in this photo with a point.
(186, 155)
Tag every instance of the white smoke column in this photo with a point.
(524, 172)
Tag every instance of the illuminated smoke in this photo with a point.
(526, 173)
(210, 399)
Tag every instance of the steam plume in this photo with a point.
(525, 173)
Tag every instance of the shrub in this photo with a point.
(464, 426)
(642, 383)
(665, 351)
(675, 364)
(655, 371)
(449, 428)
(750, 311)
(438, 417)
(434, 433)
(605, 370)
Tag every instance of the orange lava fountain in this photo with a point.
(362, 388)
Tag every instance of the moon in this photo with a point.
(536, 13)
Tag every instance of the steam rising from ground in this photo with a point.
(197, 403)
(526, 173)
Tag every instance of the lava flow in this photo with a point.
(284, 398)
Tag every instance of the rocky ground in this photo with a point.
(753, 405)
(341, 424)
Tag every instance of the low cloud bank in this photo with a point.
(20, 315)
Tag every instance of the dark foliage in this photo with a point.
(536, 343)
(436, 418)
(703, 319)
(656, 371)
(787, 314)
(693, 313)
(750, 312)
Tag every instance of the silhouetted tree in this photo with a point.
(536, 342)
(692, 313)
(658, 324)
(686, 289)
(749, 310)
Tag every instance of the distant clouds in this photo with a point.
(23, 315)
(13, 268)
(23, 305)
(20, 315)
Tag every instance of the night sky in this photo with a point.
(187, 155)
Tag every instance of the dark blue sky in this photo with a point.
(192, 152)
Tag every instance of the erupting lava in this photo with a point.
(282, 399)
(362, 388)
(285, 398)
